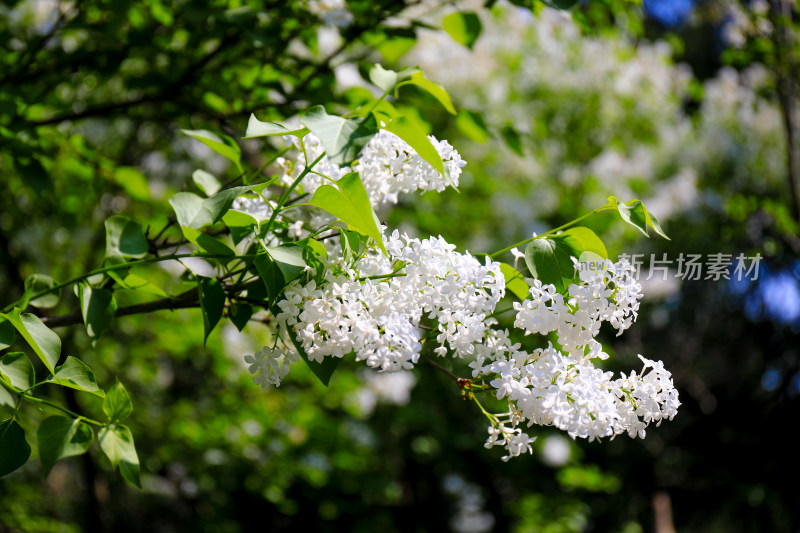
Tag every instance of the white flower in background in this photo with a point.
(470, 515)
(386, 387)
(256, 207)
(555, 451)
(540, 75)
(269, 366)
(332, 12)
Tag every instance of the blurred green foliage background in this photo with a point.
(557, 111)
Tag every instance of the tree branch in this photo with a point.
(787, 94)
(186, 300)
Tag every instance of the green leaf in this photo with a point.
(36, 283)
(561, 4)
(208, 243)
(195, 212)
(133, 181)
(342, 138)
(206, 182)
(472, 125)
(98, 307)
(540, 256)
(315, 249)
(240, 219)
(241, 224)
(240, 314)
(580, 239)
(391, 43)
(60, 437)
(190, 210)
(289, 260)
(219, 204)
(117, 405)
(212, 302)
(124, 238)
(384, 79)
(75, 374)
(222, 144)
(388, 80)
(271, 276)
(350, 204)
(6, 333)
(350, 244)
(43, 340)
(434, 89)
(635, 213)
(513, 140)
(7, 401)
(256, 128)
(463, 27)
(550, 258)
(117, 443)
(653, 222)
(17, 370)
(407, 130)
(14, 449)
(134, 282)
(514, 281)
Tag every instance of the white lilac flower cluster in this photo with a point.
(376, 311)
(561, 387)
(388, 166)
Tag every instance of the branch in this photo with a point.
(784, 71)
(439, 367)
(168, 91)
(186, 300)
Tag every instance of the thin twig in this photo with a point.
(436, 365)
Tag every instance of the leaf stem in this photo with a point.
(288, 191)
(121, 266)
(42, 401)
(552, 231)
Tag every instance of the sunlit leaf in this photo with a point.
(17, 370)
(434, 89)
(133, 181)
(117, 404)
(222, 144)
(75, 374)
(206, 182)
(342, 138)
(515, 281)
(42, 339)
(36, 283)
(117, 444)
(257, 128)
(472, 125)
(349, 202)
(463, 26)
